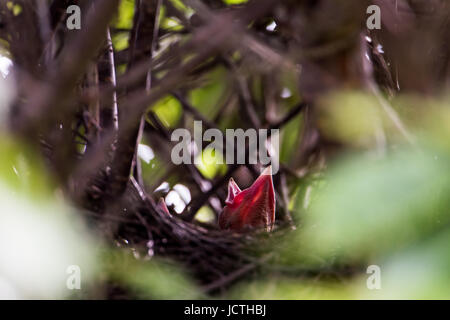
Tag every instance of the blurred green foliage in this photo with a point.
(168, 110)
(211, 93)
(380, 200)
(125, 14)
(235, 1)
(390, 209)
(124, 22)
(40, 235)
(353, 118)
(373, 206)
(15, 8)
(153, 279)
(286, 288)
(211, 163)
(205, 215)
(290, 136)
(21, 170)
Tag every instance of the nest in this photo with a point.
(215, 258)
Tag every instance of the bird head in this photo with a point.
(250, 208)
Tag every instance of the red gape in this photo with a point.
(250, 208)
(162, 205)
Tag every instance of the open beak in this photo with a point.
(250, 208)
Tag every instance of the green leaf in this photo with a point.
(211, 163)
(420, 272)
(229, 2)
(372, 206)
(290, 135)
(168, 110)
(205, 215)
(22, 171)
(155, 279)
(209, 96)
(284, 288)
(126, 14)
(39, 241)
(353, 118)
(120, 41)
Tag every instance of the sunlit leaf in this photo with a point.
(205, 215)
(126, 14)
(120, 41)
(168, 110)
(235, 1)
(211, 163)
(21, 170)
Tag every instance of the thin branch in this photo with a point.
(244, 94)
(143, 42)
(45, 98)
(109, 113)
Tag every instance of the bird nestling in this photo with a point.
(251, 208)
